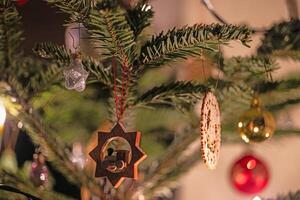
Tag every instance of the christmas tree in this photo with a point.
(121, 81)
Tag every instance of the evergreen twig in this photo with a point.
(181, 43)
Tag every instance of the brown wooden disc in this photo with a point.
(210, 130)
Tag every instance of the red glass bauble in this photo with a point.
(21, 2)
(249, 175)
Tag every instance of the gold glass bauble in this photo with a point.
(256, 124)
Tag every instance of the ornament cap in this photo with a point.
(255, 102)
(256, 124)
(76, 56)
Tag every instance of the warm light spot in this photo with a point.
(256, 198)
(255, 129)
(2, 114)
(240, 124)
(267, 134)
(146, 7)
(13, 99)
(245, 138)
(251, 164)
(240, 178)
(43, 177)
(20, 125)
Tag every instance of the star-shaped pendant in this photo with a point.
(75, 76)
(122, 165)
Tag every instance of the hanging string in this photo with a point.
(219, 67)
(116, 97)
(202, 65)
(76, 47)
(120, 94)
(73, 41)
(269, 75)
(125, 81)
(79, 36)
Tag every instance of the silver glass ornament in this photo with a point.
(77, 156)
(75, 76)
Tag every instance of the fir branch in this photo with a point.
(249, 69)
(113, 35)
(37, 76)
(284, 36)
(77, 9)
(289, 196)
(189, 41)
(107, 4)
(233, 96)
(287, 54)
(165, 165)
(98, 72)
(140, 17)
(279, 86)
(174, 92)
(277, 100)
(57, 153)
(52, 51)
(17, 191)
(10, 33)
(30, 77)
(23, 185)
(178, 170)
(62, 56)
(233, 92)
(283, 104)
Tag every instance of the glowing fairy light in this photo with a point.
(256, 198)
(2, 114)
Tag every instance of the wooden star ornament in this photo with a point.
(118, 164)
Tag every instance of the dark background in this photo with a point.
(41, 23)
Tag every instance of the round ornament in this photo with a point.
(210, 130)
(75, 75)
(249, 175)
(256, 124)
(39, 170)
(21, 2)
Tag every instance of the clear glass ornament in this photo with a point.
(77, 156)
(75, 76)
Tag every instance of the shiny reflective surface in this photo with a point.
(249, 175)
(256, 124)
(75, 76)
